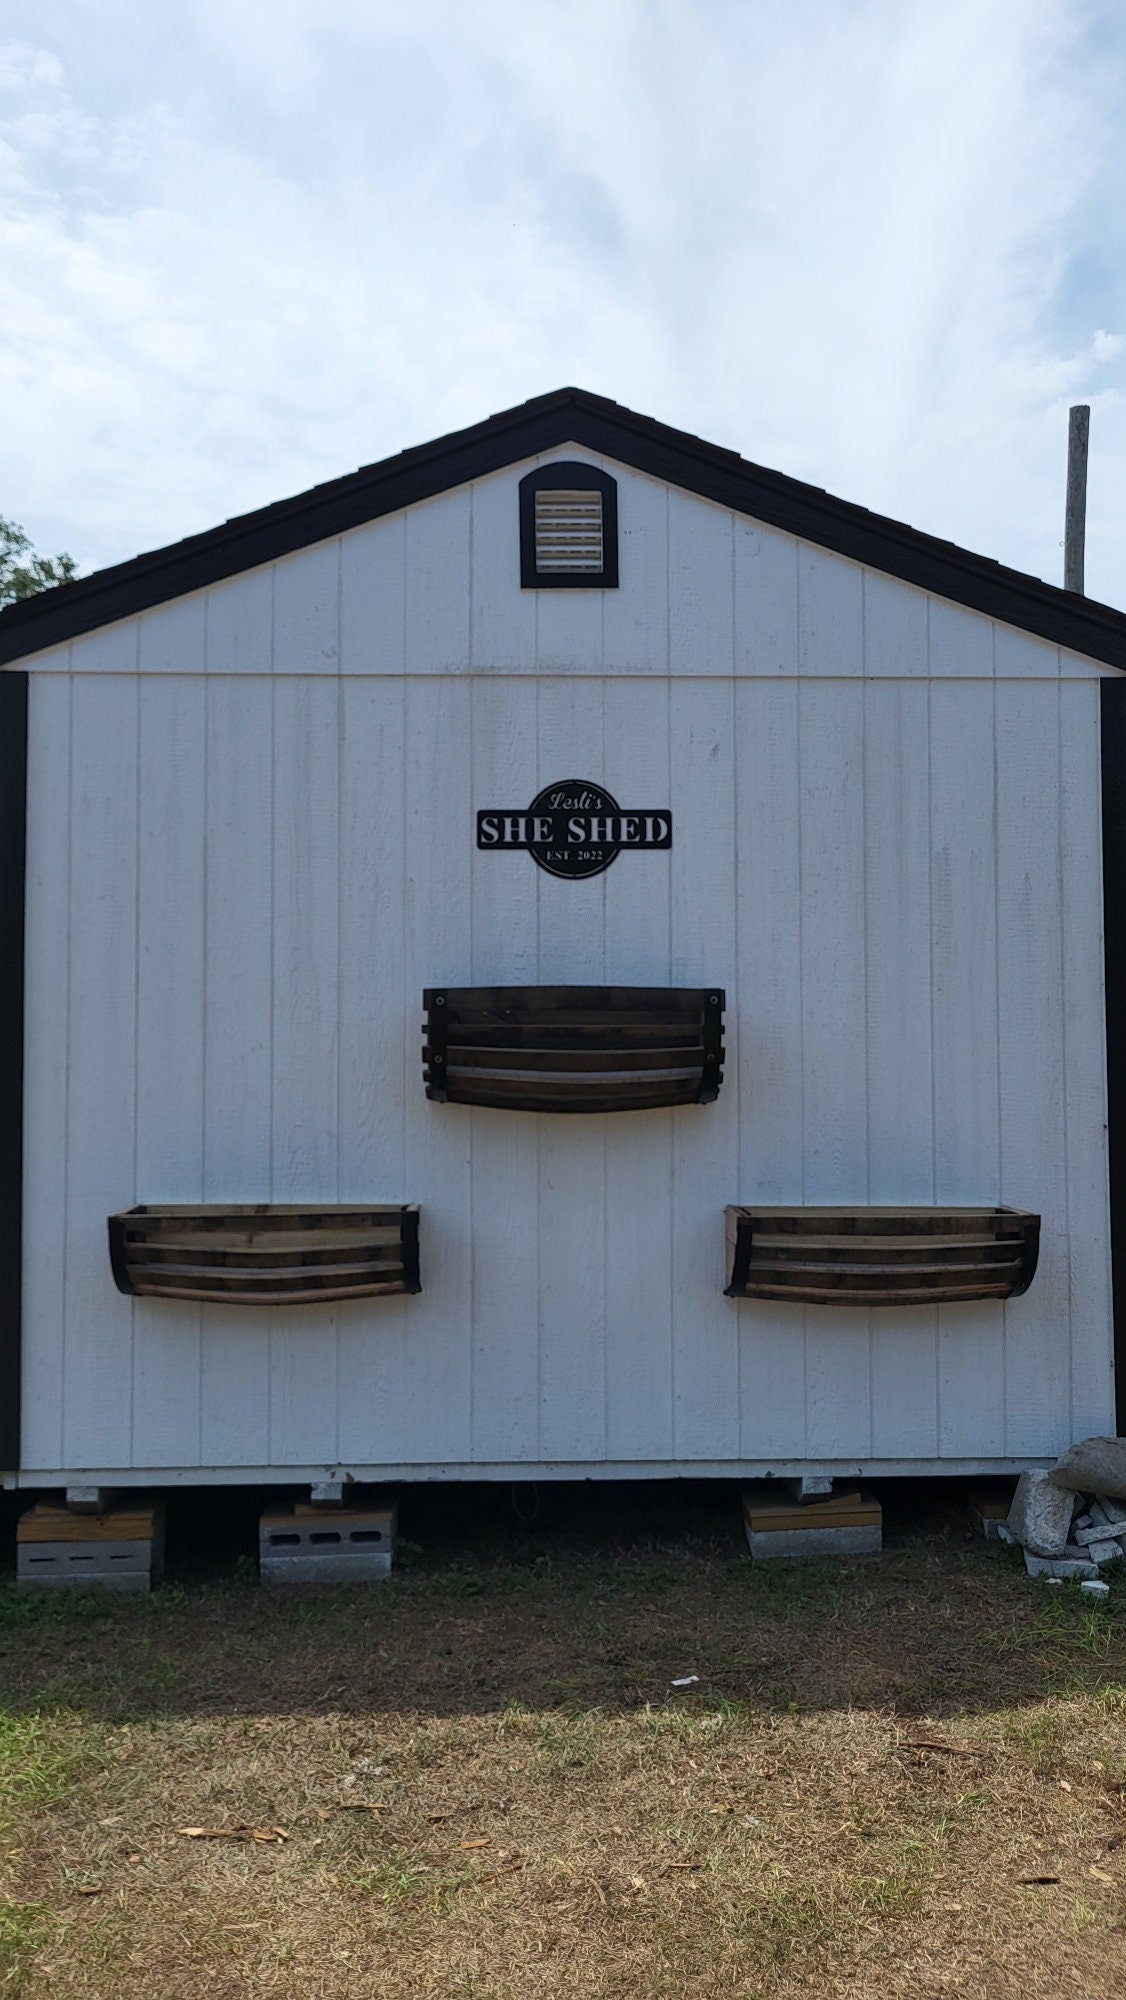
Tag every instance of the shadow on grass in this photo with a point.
(571, 1597)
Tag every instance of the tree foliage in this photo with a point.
(23, 570)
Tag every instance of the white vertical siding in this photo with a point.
(504, 1149)
(434, 1390)
(768, 987)
(47, 1074)
(100, 970)
(251, 847)
(238, 1063)
(964, 958)
(638, 1151)
(705, 1139)
(375, 1036)
(169, 1054)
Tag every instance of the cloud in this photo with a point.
(878, 246)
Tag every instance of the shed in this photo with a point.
(561, 954)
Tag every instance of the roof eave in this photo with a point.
(565, 416)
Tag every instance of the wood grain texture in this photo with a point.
(573, 1048)
(879, 1256)
(261, 1254)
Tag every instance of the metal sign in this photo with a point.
(574, 829)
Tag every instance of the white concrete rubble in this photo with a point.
(1040, 1516)
(1095, 1589)
(1095, 1531)
(1099, 1531)
(1069, 1569)
(1097, 1465)
(1104, 1553)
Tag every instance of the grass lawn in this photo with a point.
(488, 1789)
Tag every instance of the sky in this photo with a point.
(877, 244)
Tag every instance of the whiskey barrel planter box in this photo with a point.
(263, 1253)
(573, 1048)
(880, 1256)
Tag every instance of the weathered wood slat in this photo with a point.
(593, 1057)
(562, 1028)
(289, 1257)
(564, 1081)
(588, 1106)
(300, 1297)
(260, 1254)
(573, 1048)
(902, 1251)
(258, 1221)
(879, 1256)
(889, 1272)
(285, 1276)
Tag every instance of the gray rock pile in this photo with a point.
(1071, 1521)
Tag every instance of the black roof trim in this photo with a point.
(566, 416)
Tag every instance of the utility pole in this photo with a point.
(1075, 519)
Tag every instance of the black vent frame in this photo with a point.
(576, 476)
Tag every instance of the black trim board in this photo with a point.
(566, 416)
(13, 870)
(1113, 721)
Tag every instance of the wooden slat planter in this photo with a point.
(880, 1256)
(573, 1048)
(263, 1253)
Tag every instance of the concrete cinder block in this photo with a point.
(803, 1544)
(84, 1565)
(842, 1525)
(314, 1545)
(121, 1549)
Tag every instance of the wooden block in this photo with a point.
(49, 1523)
(765, 1515)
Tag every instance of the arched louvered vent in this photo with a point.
(573, 1048)
(568, 528)
(568, 532)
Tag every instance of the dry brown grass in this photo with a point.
(558, 1823)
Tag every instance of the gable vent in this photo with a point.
(568, 527)
(568, 532)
